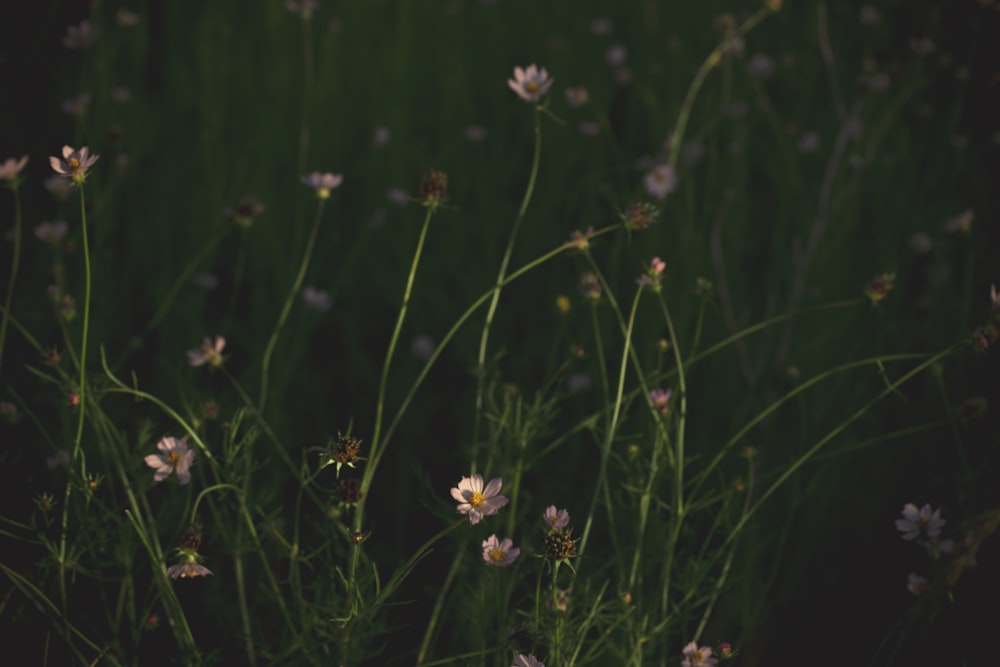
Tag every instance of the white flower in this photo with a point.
(694, 656)
(476, 501)
(916, 521)
(174, 456)
(661, 181)
(322, 183)
(499, 553)
(530, 84)
(208, 353)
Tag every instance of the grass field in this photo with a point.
(692, 302)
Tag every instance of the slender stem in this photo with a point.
(81, 397)
(491, 312)
(287, 308)
(307, 92)
(15, 263)
(609, 437)
(375, 453)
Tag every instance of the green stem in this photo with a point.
(81, 396)
(15, 263)
(491, 312)
(287, 308)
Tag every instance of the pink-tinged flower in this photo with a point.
(477, 501)
(303, 8)
(527, 661)
(79, 37)
(58, 460)
(916, 521)
(322, 183)
(661, 181)
(530, 84)
(316, 299)
(694, 656)
(916, 584)
(660, 399)
(210, 352)
(57, 186)
(961, 222)
(651, 278)
(760, 65)
(10, 168)
(74, 163)
(121, 94)
(52, 232)
(174, 456)
(555, 519)
(994, 297)
(499, 553)
(616, 55)
(589, 128)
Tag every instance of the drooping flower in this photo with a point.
(322, 183)
(916, 521)
(694, 656)
(190, 560)
(527, 661)
(209, 352)
(555, 519)
(477, 501)
(661, 181)
(499, 553)
(530, 84)
(174, 456)
(74, 163)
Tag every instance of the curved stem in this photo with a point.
(287, 308)
(491, 312)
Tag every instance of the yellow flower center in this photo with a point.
(477, 499)
(531, 86)
(696, 658)
(173, 457)
(73, 163)
(496, 555)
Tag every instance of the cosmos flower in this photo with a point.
(661, 181)
(660, 399)
(555, 518)
(499, 553)
(916, 584)
(916, 521)
(208, 353)
(322, 183)
(74, 163)
(79, 37)
(10, 168)
(316, 299)
(694, 656)
(174, 456)
(477, 501)
(530, 84)
(51, 232)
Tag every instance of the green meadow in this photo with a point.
(495, 332)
